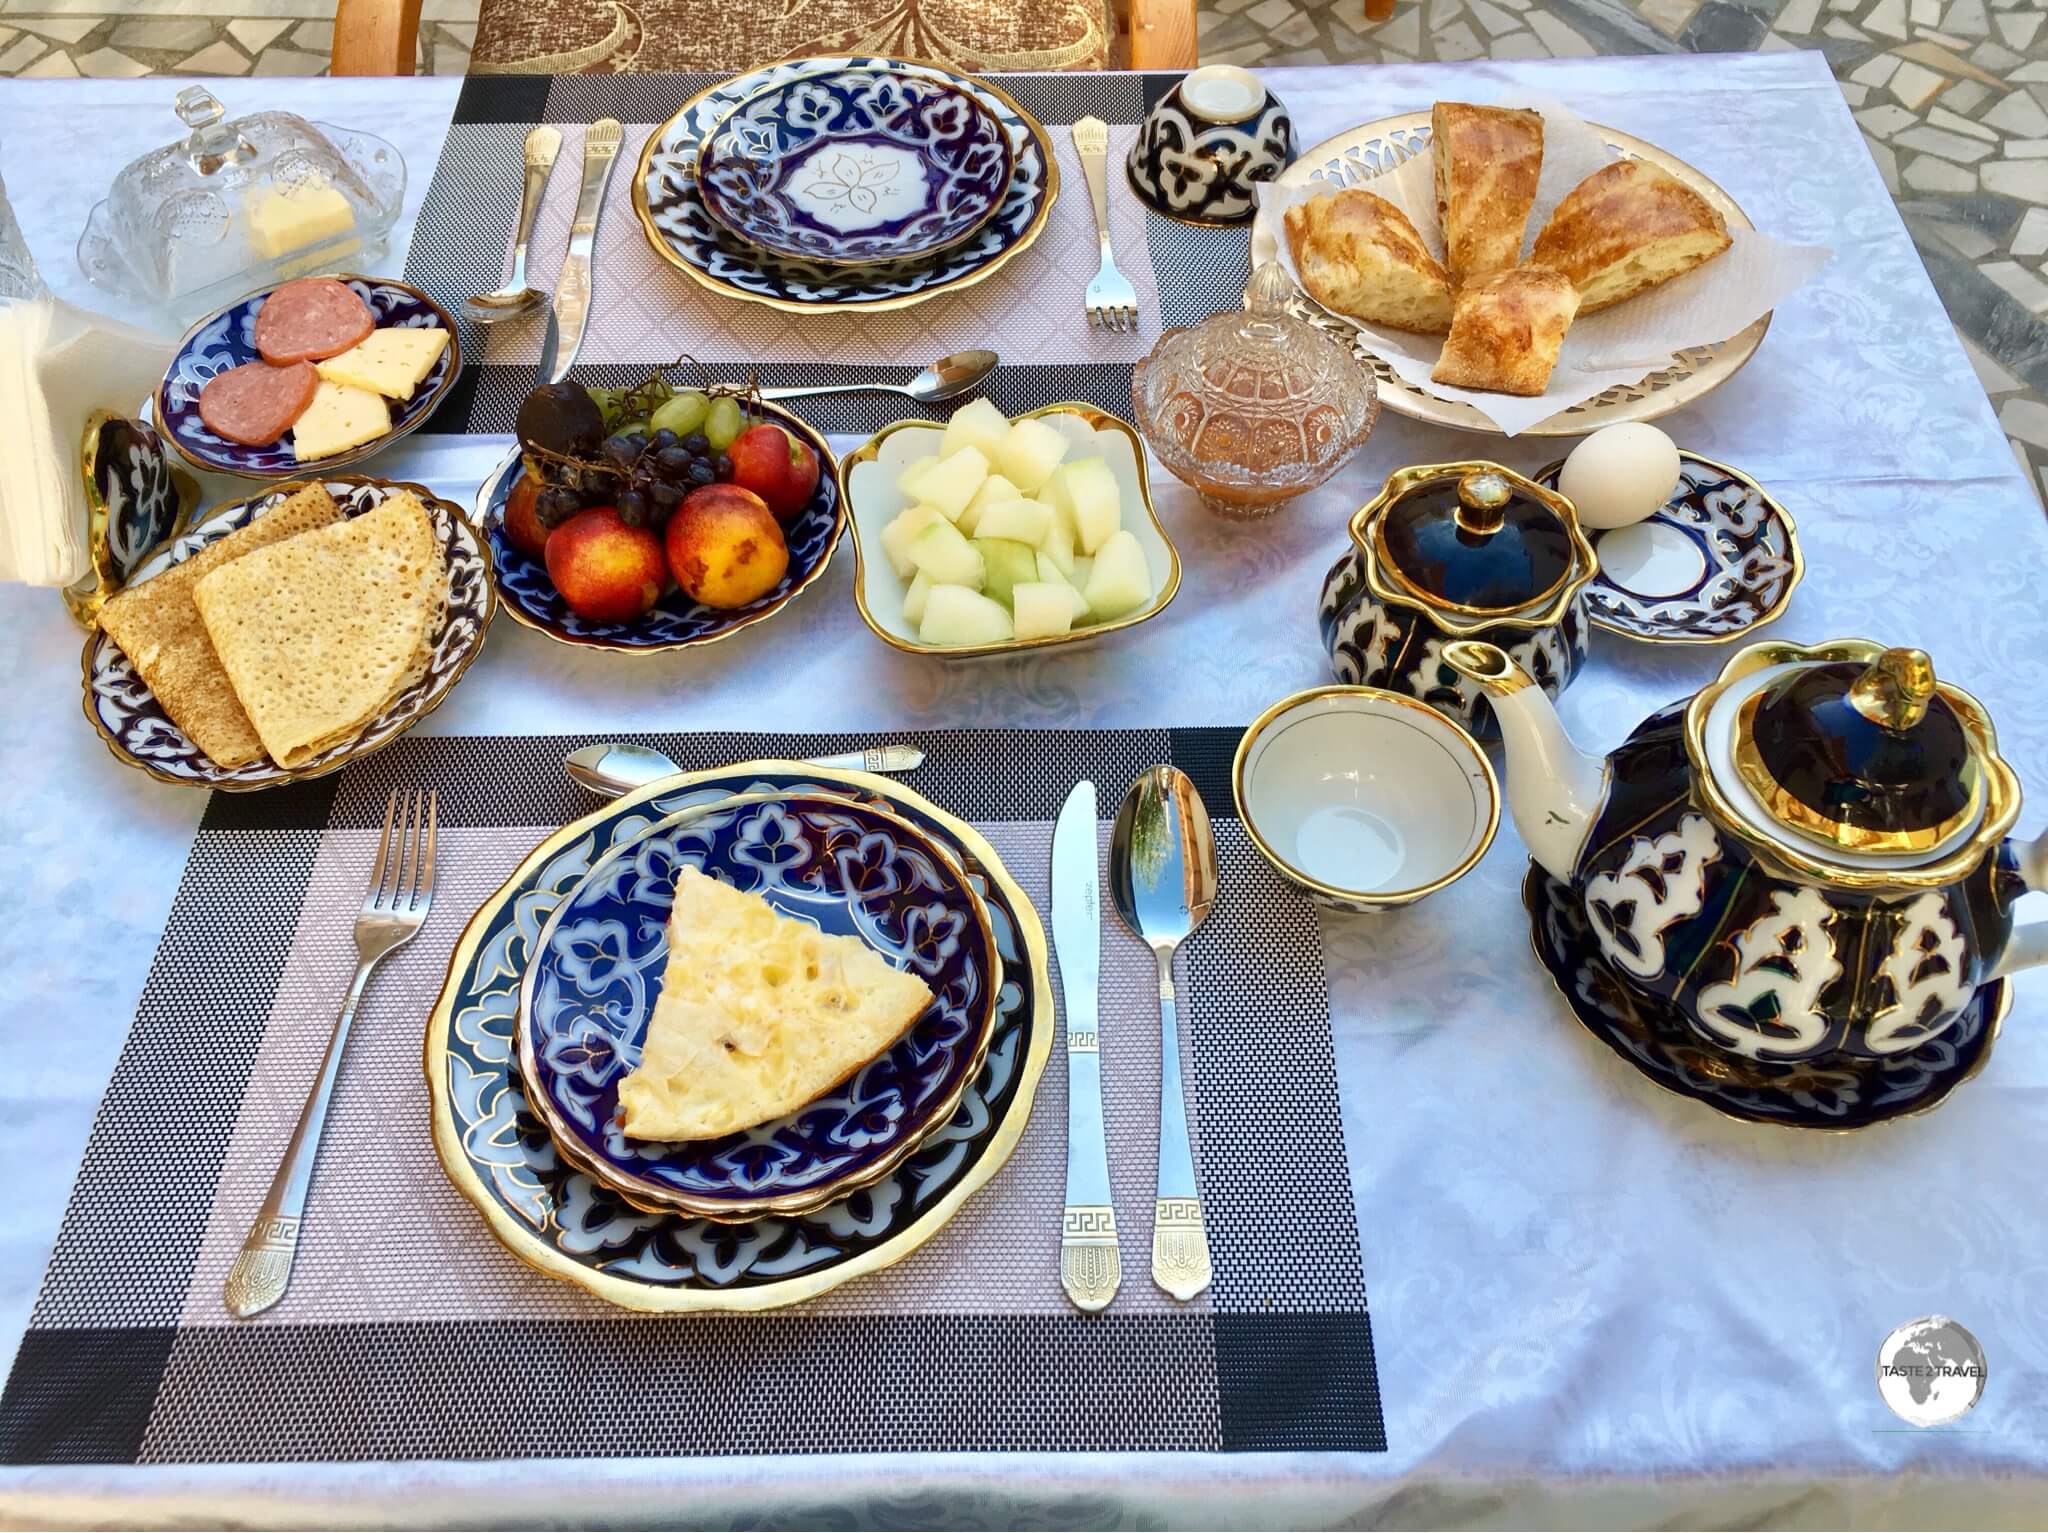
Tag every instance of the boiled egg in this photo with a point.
(1620, 474)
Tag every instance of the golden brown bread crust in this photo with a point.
(1626, 228)
(1487, 162)
(1358, 254)
(1507, 330)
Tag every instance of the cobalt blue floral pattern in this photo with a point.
(549, 1201)
(847, 869)
(855, 166)
(228, 339)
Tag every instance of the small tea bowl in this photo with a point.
(1212, 138)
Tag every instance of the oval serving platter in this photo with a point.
(847, 868)
(562, 1222)
(227, 339)
(140, 733)
(856, 166)
(676, 622)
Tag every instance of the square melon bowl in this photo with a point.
(991, 536)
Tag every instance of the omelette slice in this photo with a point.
(158, 627)
(319, 633)
(757, 1015)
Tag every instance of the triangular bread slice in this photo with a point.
(158, 627)
(320, 633)
(757, 1015)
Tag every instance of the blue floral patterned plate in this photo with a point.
(1829, 1093)
(856, 166)
(563, 1222)
(848, 869)
(676, 622)
(228, 339)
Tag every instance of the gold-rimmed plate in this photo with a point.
(1358, 155)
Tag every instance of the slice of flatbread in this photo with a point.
(158, 627)
(320, 633)
(757, 1015)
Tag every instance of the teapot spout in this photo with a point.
(1554, 788)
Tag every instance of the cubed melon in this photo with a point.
(1120, 582)
(1030, 453)
(951, 482)
(1042, 609)
(1024, 520)
(947, 557)
(913, 599)
(979, 425)
(1058, 541)
(954, 616)
(1050, 574)
(993, 489)
(1005, 563)
(907, 480)
(898, 535)
(1091, 488)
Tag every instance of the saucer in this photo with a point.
(1713, 564)
(1837, 1093)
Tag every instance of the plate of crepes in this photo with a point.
(739, 1037)
(1505, 268)
(287, 634)
(311, 375)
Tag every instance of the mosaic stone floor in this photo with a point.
(1952, 96)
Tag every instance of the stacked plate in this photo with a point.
(546, 1008)
(845, 183)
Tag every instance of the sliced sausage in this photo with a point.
(311, 320)
(255, 404)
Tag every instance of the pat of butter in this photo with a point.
(389, 362)
(288, 218)
(338, 418)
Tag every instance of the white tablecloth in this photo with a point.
(1593, 1303)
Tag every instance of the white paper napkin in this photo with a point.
(1616, 346)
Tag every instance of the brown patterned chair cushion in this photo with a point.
(679, 36)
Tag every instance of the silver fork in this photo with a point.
(1111, 300)
(394, 909)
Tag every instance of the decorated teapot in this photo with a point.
(1808, 857)
(1450, 551)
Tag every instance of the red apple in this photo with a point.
(606, 571)
(776, 465)
(523, 527)
(725, 546)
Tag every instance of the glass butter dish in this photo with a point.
(240, 205)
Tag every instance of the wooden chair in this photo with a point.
(381, 37)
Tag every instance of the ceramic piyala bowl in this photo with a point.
(856, 166)
(1202, 170)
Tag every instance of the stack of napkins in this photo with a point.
(58, 364)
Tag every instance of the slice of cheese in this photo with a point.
(339, 418)
(288, 218)
(757, 1015)
(389, 362)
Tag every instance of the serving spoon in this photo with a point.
(947, 378)
(515, 297)
(1162, 880)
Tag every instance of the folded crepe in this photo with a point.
(758, 1014)
(320, 633)
(158, 627)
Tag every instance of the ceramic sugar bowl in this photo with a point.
(1450, 551)
(1211, 139)
(1807, 859)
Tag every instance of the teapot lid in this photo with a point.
(1477, 538)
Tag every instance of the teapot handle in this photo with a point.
(2028, 944)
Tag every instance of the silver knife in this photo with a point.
(570, 312)
(1089, 1265)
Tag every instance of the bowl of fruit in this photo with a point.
(657, 517)
(989, 536)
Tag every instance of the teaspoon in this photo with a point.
(947, 378)
(515, 297)
(616, 770)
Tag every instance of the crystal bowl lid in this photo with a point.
(1476, 539)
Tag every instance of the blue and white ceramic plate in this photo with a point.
(845, 868)
(567, 1224)
(854, 167)
(1833, 1093)
(683, 233)
(1713, 564)
(226, 340)
(676, 622)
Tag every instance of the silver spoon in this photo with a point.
(515, 297)
(1162, 879)
(947, 378)
(616, 770)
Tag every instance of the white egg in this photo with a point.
(1619, 475)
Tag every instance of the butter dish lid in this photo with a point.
(239, 204)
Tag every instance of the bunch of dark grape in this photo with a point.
(656, 471)
(559, 423)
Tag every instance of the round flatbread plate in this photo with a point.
(676, 622)
(225, 340)
(1356, 156)
(565, 1223)
(845, 867)
(673, 217)
(140, 733)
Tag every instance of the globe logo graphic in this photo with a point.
(1930, 1371)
